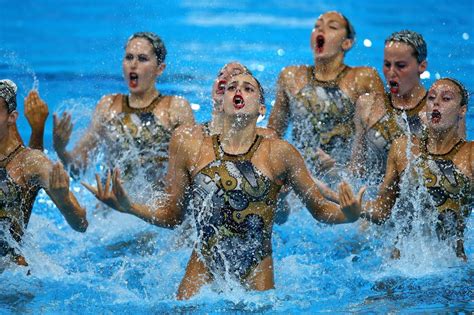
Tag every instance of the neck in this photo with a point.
(411, 99)
(8, 143)
(441, 142)
(238, 134)
(143, 99)
(327, 69)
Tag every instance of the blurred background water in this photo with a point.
(72, 51)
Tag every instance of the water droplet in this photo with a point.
(367, 42)
(280, 52)
(465, 36)
(260, 68)
(195, 106)
(437, 75)
(425, 75)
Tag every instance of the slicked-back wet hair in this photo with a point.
(414, 40)
(155, 41)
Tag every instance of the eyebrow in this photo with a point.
(245, 82)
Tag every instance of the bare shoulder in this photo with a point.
(267, 132)
(280, 149)
(291, 73)
(188, 132)
(106, 102)
(35, 164)
(177, 103)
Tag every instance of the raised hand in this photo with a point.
(350, 206)
(115, 197)
(62, 129)
(59, 182)
(36, 110)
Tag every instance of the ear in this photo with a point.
(462, 112)
(347, 44)
(159, 71)
(422, 67)
(12, 117)
(262, 109)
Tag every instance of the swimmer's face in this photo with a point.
(242, 97)
(140, 67)
(218, 88)
(329, 36)
(401, 69)
(443, 105)
(6, 119)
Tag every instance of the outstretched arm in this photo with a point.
(55, 180)
(167, 213)
(294, 172)
(36, 112)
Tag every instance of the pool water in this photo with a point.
(72, 53)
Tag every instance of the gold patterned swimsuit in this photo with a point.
(391, 126)
(16, 203)
(322, 117)
(450, 191)
(138, 143)
(234, 205)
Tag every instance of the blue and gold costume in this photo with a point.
(234, 206)
(138, 142)
(322, 117)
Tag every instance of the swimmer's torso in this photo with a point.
(233, 204)
(136, 141)
(322, 116)
(16, 203)
(393, 124)
(449, 188)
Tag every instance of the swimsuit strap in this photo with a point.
(11, 155)
(127, 109)
(328, 83)
(222, 155)
(415, 110)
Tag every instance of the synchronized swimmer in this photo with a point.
(230, 177)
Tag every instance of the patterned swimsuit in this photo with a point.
(322, 117)
(391, 126)
(138, 143)
(234, 205)
(16, 203)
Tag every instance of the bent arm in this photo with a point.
(78, 158)
(297, 175)
(280, 114)
(54, 179)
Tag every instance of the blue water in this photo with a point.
(72, 52)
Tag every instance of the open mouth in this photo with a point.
(133, 80)
(319, 44)
(435, 116)
(393, 85)
(221, 86)
(239, 102)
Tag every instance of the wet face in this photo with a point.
(401, 69)
(140, 67)
(242, 97)
(329, 36)
(443, 105)
(218, 88)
